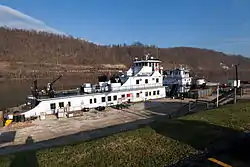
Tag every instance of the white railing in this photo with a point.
(132, 87)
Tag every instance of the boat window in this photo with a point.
(146, 64)
(149, 93)
(146, 81)
(123, 96)
(154, 92)
(146, 93)
(157, 80)
(94, 100)
(109, 98)
(90, 101)
(69, 103)
(137, 81)
(150, 64)
(115, 97)
(52, 106)
(158, 92)
(103, 99)
(61, 104)
(137, 94)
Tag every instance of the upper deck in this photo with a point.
(76, 92)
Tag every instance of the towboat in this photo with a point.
(141, 82)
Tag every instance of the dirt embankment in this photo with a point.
(23, 70)
(23, 53)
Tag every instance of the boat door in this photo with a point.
(52, 108)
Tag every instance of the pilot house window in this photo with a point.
(137, 81)
(114, 97)
(157, 80)
(146, 81)
(109, 98)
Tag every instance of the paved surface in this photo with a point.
(44, 130)
(236, 156)
(52, 132)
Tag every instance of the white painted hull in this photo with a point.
(79, 102)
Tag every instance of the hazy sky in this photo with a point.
(222, 25)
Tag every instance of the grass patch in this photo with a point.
(159, 144)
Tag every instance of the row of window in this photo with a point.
(154, 93)
(61, 105)
(147, 64)
(149, 93)
(103, 99)
(146, 81)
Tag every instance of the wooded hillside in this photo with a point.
(25, 53)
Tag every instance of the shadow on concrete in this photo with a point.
(25, 159)
(161, 113)
(156, 108)
(7, 137)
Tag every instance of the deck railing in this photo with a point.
(132, 87)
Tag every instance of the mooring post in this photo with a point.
(217, 96)
(189, 106)
(235, 94)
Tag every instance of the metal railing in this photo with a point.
(134, 87)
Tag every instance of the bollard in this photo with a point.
(1, 118)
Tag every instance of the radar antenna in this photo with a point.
(146, 55)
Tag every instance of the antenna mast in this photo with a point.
(157, 52)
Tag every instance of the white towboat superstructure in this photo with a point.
(143, 81)
(178, 79)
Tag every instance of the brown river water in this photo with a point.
(13, 93)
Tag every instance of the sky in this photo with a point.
(222, 25)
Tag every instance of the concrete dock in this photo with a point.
(51, 132)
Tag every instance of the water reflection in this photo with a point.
(14, 93)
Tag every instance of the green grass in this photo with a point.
(159, 144)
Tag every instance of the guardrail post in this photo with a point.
(217, 97)
(189, 106)
(235, 94)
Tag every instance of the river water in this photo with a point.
(13, 93)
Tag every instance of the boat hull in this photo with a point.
(89, 101)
